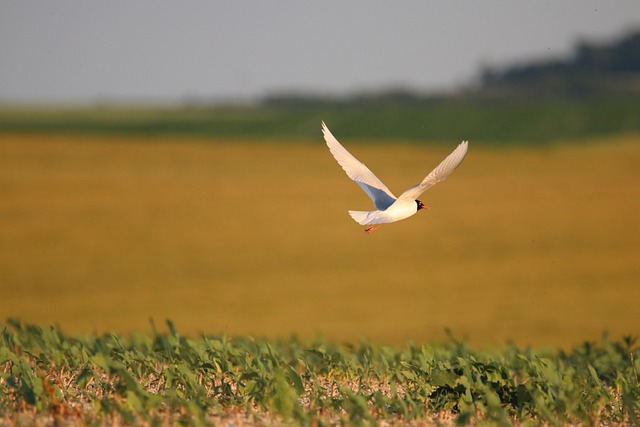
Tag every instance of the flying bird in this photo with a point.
(389, 208)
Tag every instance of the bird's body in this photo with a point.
(389, 208)
(400, 209)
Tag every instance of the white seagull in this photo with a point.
(389, 208)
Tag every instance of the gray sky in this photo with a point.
(86, 51)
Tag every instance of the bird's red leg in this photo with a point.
(372, 228)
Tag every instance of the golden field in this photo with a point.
(536, 245)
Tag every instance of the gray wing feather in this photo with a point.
(378, 192)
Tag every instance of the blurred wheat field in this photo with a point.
(536, 245)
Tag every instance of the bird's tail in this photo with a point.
(362, 217)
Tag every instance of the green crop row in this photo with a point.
(169, 378)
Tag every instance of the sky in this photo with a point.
(71, 51)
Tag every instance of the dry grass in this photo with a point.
(536, 245)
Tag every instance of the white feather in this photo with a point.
(441, 171)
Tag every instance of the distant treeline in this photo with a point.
(592, 70)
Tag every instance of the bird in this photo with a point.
(389, 208)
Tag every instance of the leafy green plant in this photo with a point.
(172, 378)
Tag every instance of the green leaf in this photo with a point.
(296, 380)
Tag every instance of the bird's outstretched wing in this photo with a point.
(441, 171)
(378, 192)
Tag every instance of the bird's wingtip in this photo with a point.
(325, 129)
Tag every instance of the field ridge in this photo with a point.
(499, 122)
